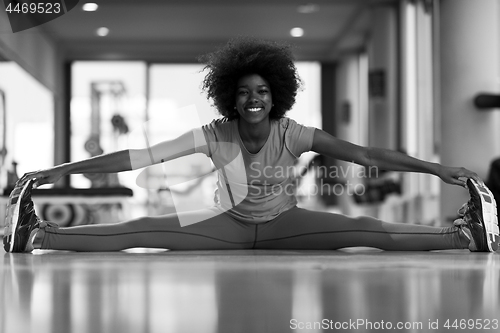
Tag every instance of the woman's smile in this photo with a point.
(253, 98)
(254, 109)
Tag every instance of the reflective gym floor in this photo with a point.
(352, 290)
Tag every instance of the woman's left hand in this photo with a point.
(457, 176)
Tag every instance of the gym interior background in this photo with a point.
(398, 74)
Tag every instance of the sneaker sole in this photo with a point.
(489, 212)
(12, 215)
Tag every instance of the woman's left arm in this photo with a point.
(385, 159)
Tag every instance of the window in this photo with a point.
(26, 125)
(123, 105)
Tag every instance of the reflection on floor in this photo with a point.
(362, 290)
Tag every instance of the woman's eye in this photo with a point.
(242, 92)
(262, 92)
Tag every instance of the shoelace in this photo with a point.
(462, 225)
(463, 210)
(44, 224)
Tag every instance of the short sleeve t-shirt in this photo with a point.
(256, 187)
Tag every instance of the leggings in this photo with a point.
(294, 229)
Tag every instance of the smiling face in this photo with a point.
(253, 99)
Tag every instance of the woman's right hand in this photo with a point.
(46, 176)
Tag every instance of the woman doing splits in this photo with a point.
(252, 84)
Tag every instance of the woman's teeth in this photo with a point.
(254, 109)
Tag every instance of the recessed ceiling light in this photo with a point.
(90, 7)
(297, 32)
(102, 31)
(308, 9)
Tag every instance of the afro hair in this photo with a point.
(243, 56)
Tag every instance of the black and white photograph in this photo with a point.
(266, 166)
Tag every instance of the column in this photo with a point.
(469, 60)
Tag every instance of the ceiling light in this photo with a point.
(308, 9)
(90, 7)
(297, 32)
(102, 31)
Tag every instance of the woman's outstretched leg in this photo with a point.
(304, 229)
(215, 231)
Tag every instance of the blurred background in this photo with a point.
(397, 74)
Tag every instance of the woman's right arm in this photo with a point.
(124, 160)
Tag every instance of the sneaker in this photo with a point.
(479, 220)
(21, 222)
